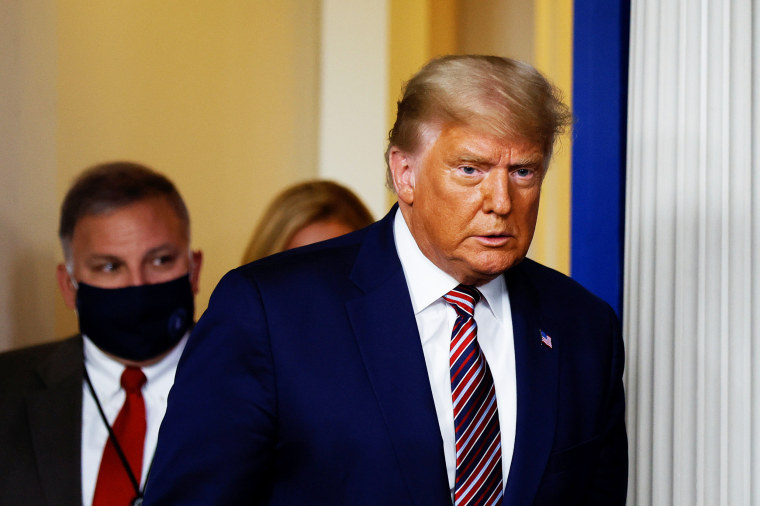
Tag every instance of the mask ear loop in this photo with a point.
(70, 270)
(190, 265)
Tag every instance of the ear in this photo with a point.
(195, 269)
(67, 287)
(401, 164)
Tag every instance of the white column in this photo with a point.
(692, 288)
(353, 127)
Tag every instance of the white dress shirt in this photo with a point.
(105, 374)
(435, 321)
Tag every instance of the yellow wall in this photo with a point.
(220, 96)
(28, 198)
(409, 45)
(504, 28)
(554, 57)
(419, 30)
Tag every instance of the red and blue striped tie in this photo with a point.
(476, 417)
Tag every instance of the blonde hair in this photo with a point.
(497, 95)
(300, 206)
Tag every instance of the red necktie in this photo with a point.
(114, 486)
(476, 417)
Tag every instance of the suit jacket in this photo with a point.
(41, 424)
(305, 383)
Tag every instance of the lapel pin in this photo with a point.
(545, 339)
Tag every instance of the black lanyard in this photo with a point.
(137, 501)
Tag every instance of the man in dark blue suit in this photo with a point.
(422, 360)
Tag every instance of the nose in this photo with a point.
(495, 188)
(136, 278)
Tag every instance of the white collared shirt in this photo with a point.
(105, 374)
(435, 320)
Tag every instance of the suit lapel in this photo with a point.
(55, 421)
(537, 376)
(386, 332)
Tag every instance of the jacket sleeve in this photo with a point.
(215, 445)
(610, 481)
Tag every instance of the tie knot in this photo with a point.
(132, 380)
(463, 298)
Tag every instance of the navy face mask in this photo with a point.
(136, 323)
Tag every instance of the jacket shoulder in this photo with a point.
(557, 290)
(21, 369)
(319, 262)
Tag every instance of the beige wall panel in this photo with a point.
(353, 91)
(419, 30)
(221, 96)
(28, 206)
(554, 57)
(409, 42)
(409, 46)
(444, 27)
(503, 28)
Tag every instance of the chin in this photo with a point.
(480, 275)
(481, 267)
(495, 265)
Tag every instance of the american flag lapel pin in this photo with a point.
(546, 339)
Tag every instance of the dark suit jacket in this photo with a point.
(305, 383)
(41, 424)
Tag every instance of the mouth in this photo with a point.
(493, 240)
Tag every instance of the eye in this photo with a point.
(523, 172)
(468, 170)
(526, 175)
(108, 267)
(163, 260)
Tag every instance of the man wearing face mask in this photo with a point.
(79, 417)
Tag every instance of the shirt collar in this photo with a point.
(105, 372)
(427, 283)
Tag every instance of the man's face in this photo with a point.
(470, 200)
(141, 243)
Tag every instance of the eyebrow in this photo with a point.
(473, 158)
(97, 257)
(468, 156)
(163, 248)
(527, 162)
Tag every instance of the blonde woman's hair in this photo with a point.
(300, 206)
(498, 95)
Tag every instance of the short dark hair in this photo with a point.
(499, 95)
(108, 186)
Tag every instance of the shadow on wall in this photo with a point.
(28, 306)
